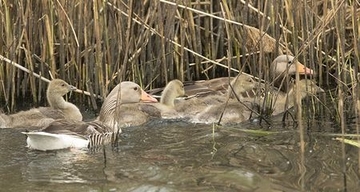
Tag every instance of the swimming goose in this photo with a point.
(273, 102)
(284, 101)
(173, 90)
(119, 110)
(234, 112)
(63, 134)
(197, 105)
(55, 92)
(38, 117)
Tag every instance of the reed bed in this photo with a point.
(96, 44)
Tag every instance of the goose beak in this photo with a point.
(147, 98)
(72, 88)
(304, 70)
(320, 90)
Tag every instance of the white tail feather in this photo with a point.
(48, 141)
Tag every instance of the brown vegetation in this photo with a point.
(93, 45)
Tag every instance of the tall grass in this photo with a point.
(96, 44)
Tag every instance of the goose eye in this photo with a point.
(135, 88)
(289, 62)
(63, 85)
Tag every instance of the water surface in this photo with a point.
(177, 156)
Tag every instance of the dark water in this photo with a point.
(176, 156)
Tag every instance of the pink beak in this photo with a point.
(304, 70)
(147, 98)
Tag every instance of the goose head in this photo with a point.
(130, 92)
(173, 89)
(284, 65)
(58, 87)
(124, 93)
(241, 84)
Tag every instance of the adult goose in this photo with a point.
(38, 117)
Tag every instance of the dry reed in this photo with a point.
(94, 45)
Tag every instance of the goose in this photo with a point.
(54, 95)
(226, 107)
(283, 67)
(195, 105)
(41, 116)
(166, 106)
(285, 101)
(173, 90)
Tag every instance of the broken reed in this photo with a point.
(94, 45)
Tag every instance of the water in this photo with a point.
(176, 156)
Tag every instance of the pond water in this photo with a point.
(177, 156)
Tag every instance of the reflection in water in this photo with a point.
(176, 156)
(57, 166)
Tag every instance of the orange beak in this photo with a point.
(147, 98)
(304, 70)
